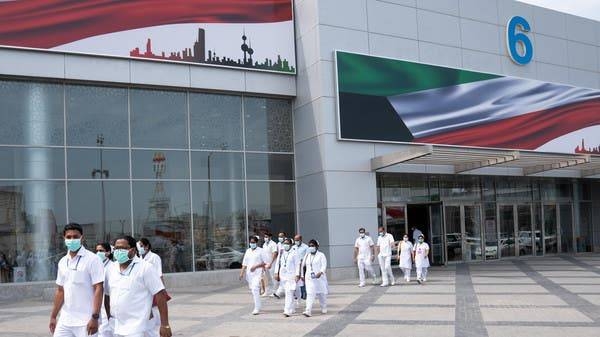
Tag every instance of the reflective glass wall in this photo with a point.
(195, 173)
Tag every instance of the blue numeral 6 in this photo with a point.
(514, 36)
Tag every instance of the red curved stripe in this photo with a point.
(525, 132)
(50, 23)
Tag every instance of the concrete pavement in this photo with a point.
(550, 296)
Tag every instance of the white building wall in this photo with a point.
(336, 189)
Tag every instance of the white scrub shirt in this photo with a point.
(364, 247)
(421, 255)
(252, 258)
(315, 263)
(385, 244)
(406, 249)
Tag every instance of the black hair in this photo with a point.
(284, 235)
(72, 226)
(314, 242)
(146, 243)
(361, 230)
(269, 234)
(253, 238)
(288, 240)
(130, 240)
(106, 247)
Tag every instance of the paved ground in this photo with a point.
(553, 296)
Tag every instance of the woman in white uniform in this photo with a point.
(315, 278)
(405, 257)
(421, 252)
(103, 250)
(253, 266)
(287, 273)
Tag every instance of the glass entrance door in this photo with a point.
(526, 239)
(550, 229)
(463, 232)
(566, 228)
(394, 220)
(506, 220)
(437, 233)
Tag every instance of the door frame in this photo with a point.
(461, 206)
(384, 207)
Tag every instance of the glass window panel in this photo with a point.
(507, 230)
(216, 121)
(537, 223)
(472, 249)
(223, 165)
(268, 124)
(103, 208)
(271, 207)
(454, 237)
(32, 217)
(161, 213)
(526, 237)
(98, 163)
(269, 166)
(32, 163)
(31, 113)
(584, 230)
(219, 224)
(566, 228)
(158, 119)
(150, 164)
(93, 111)
(460, 188)
(550, 229)
(491, 232)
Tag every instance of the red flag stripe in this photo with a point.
(527, 132)
(50, 23)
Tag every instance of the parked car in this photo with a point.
(222, 258)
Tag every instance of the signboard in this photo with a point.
(516, 39)
(381, 99)
(253, 34)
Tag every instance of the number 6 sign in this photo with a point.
(516, 28)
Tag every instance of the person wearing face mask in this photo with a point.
(364, 256)
(300, 248)
(280, 239)
(80, 284)
(271, 247)
(405, 258)
(287, 272)
(421, 257)
(145, 251)
(131, 285)
(385, 241)
(104, 252)
(253, 264)
(315, 278)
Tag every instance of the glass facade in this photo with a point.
(492, 217)
(195, 173)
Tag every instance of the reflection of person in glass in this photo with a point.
(145, 250)
(131, 284)
(79, 289)
(315, 278)
(255, 260)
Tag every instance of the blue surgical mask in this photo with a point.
(252, 245)
(73, 245)
(312, 249)
(287, 247)
(298, 243)
(381, 233)
(102, 256)
(121, 255)
(280, 240)
(141, 250)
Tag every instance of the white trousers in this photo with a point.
(106, 327)
(271, 285)
(256, 297)
(364, 264)
(310, 300)
(385, 263)
(70, 331)
(406, 272)
(422, 273)
(289, 306)
(153, 324)
(139, 334)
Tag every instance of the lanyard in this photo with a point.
(311, 262)
(130, 268)
(76, 263)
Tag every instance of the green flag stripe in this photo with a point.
(377, 76)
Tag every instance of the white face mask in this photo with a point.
(286, 247)
(362, 235)
(298, 243)
(266, 240)
(281, 240)
(405, 239)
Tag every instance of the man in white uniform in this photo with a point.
(144, 248)
(364, 256)
(270, 247)
(80, 280)
(253, 265)
(287, 272)
(280, 239)
(131, 284)
(385, 241)
(300, 248)
(416, 234)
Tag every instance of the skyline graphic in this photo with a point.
(197, 54)
(587, 150)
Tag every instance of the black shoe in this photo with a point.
(418, 281)
(276, 296)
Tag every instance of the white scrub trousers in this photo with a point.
(70, 331)
(310, 300)
(406, 272)
(365, 264)
(385, 263)
(422, 274)
(154, 324)
(256, 297)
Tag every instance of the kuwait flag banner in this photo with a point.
(390, 100)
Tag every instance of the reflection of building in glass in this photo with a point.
(582, 149)
(197, 54)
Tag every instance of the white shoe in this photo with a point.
(264, 295)
(383, 285)
(255, 312)
(286, 314)
(361, 285)
(307, 314)
(324, 311)
(393, 283)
